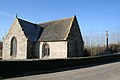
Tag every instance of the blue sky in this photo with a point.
(94, 16)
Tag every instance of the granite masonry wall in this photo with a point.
(17, 32)
(75, 40)
(58, 49)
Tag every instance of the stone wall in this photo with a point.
(71, 48)
(58, 49)
(75, 36)
(15, 31)
(11, 68)
(37, 49)
(32, 50)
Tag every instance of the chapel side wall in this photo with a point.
(37, 49)
(58, 49)
(15, 31)
(71, 48)
(32, 50)
(76, 37)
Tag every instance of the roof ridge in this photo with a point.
(57, 20)
(26, 21)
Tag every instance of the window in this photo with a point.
(45, 50)
(13, 47)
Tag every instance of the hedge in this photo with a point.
(9, 67)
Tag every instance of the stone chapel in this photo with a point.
(54, 39)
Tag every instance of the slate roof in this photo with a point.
(32, 31)
(56, 30)
(49, 31)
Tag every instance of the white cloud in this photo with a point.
(2, 13)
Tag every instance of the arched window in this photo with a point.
(45, 50)
(13, 51)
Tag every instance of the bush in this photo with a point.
(97, 50)
(115, 48)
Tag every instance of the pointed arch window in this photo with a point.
(45, 50)
(13, 51)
